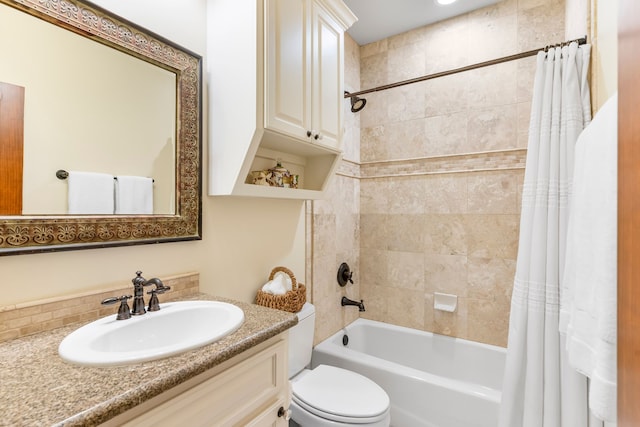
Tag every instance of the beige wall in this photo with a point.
(605, 53)
(242, 238)
(598, 19)
(578, 19)
(441, 170)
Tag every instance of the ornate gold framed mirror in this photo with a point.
(180, 218)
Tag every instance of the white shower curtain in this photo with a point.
(540, 388)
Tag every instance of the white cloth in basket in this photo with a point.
(280, 284)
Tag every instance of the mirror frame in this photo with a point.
(46, 233)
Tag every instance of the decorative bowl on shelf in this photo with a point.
(277, 176)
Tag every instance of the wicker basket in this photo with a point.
(292, 301)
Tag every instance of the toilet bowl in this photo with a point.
(328, 395)
(331, 396)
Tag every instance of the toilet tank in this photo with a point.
(301, 340)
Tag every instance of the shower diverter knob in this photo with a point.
(344, 274)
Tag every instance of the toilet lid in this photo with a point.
(335, 393)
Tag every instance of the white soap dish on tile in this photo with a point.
(445, 302)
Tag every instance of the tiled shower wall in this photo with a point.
(429, 200)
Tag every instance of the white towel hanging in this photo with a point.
(588, 293)
(90, 193)
(134, 195)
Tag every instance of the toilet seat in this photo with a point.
(340, 395)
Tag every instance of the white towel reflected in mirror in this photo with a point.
(90, 193)
(134, 195)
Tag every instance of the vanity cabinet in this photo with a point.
(247, 390)
(275, 93)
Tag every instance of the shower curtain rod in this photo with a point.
(521, 55)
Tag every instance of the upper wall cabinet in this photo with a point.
(275, 92)
(304, 72)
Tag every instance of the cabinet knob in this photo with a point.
(308, 133)
(317, 136)
(286, 413)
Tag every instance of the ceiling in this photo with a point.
(379, 19)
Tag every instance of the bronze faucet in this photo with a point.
(139, 283)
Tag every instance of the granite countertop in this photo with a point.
(38, 388)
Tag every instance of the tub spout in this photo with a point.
(347, 301)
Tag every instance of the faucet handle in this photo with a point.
(344, 274)
(154, 303)
(123, 310)
(159, 290)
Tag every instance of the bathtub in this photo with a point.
(432, 380)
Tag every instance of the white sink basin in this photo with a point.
(176, 328)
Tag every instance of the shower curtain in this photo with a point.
(540, 388)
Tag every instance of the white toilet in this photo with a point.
(327, 395)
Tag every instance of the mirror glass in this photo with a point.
(95, 94)
(87, 107)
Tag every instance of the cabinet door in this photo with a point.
(328, 58)
(234, 397)
(288, 67)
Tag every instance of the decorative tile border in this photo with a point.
(349, 169)
(490, 160)
(44, 315)
(453, 163)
